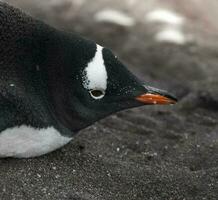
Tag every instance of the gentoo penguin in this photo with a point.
(53, 84)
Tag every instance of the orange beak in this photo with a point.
(156, 96)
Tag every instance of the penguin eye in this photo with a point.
(97, 93)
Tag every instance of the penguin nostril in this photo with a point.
(97, 94)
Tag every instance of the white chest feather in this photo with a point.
(24, 141)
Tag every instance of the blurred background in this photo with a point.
(187, 21)
(152, 153)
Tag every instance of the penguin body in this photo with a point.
(53, 84)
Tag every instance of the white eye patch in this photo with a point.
(95, 74)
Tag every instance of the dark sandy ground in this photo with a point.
(150, 153)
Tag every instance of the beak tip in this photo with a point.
(172, 99)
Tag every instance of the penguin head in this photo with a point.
(99, 84)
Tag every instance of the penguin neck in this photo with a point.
(55, 77)
(63, 111)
